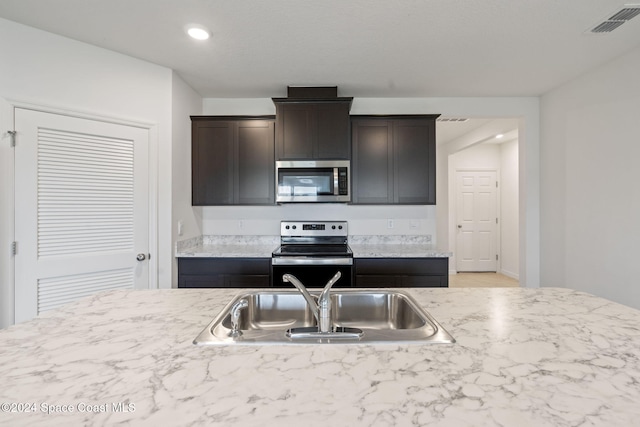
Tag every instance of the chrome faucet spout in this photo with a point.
(324, 295)
(235, 318)
(303, 290)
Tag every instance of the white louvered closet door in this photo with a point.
(82, 209)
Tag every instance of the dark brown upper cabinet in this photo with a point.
(313, 128)
(394, 159)
(232, 160)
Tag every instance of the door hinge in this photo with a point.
(12, 135)
(14, 248)
(496, 220)
(496, 257)
(496, 184)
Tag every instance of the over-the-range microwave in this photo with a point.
(311, 181)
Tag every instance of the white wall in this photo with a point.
(6, 217)
(44, 69)
(590, 201)
(509, 219)
(481, 156)
(185, 103)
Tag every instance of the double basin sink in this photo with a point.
(283, 316)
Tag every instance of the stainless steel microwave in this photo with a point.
(311, 181)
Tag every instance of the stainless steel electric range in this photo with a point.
(313, 251)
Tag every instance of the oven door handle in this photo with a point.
(293, 260)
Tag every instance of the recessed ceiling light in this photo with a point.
(197, 32)
(499, 136)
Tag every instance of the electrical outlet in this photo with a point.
(180, 227)
(389, 223)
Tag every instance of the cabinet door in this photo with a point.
(212, 162)
(423, 282)
(333, 131)
(401, 272)
(246, 281)
(414, 162)
(190, 281)
(295, 135)
(377, 281)
(223, 272)
(372, 167)
(255, 165)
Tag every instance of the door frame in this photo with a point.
(453, 206)
(9, 106)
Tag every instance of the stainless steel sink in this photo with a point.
(358, 316)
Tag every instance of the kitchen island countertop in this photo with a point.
(523, 357)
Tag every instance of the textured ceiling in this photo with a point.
(368, 48)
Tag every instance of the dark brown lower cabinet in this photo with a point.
(368, 272)
(224, 272)
(401, 272)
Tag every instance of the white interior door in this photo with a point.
(476, 207)
(82, 209)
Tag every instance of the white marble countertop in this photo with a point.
(227, 247)
(397, 251)
(263, 246)
(523, 357)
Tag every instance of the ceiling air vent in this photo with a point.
(451, 119)
(628, 12)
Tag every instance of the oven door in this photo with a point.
(312, 275)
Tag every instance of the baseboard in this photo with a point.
(510, 274)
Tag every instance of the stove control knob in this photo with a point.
(286, 226)
(340, 227)
(333, 227)
(294, 227)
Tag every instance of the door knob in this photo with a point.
(459, 226)
(141, 257)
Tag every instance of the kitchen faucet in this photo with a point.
(321, 310)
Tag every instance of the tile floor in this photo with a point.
(481, 280)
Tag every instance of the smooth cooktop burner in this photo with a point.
(313, 250)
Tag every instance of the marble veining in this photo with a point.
(383, 239)
(523, 357)
(250, 246)
(232, 246)
(399, 246)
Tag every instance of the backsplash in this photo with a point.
(240, 240)
(363, 220)
(390, 240)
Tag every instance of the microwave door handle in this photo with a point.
(336, 182)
